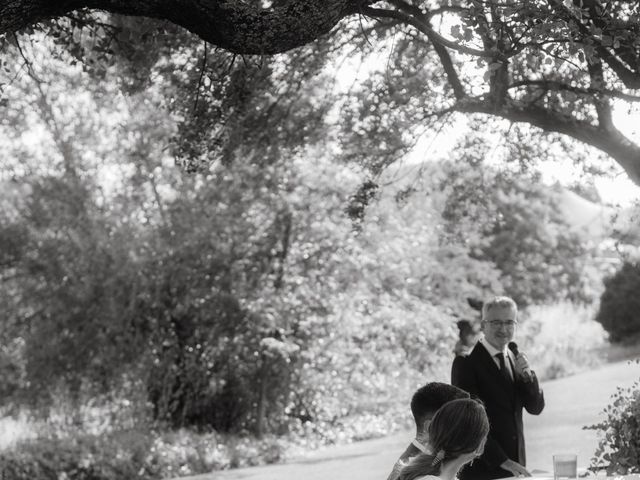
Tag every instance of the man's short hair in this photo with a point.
(427, 400)
(498, 302)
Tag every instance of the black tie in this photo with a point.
(503, 368)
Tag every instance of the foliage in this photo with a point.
(421, 84)
(619, 447)
(169, 304)
(129, 454)
(558, 67)
(236, 295)
(626, 232)
(562, 339)
(517, 226)
(210, 300)
(78, 458)
(197, 290)
(619, 303)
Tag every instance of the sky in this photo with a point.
(619, 189)
(615, 189)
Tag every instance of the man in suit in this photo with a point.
(506, 385)
(426, 401)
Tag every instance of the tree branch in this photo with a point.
(603, 20)
(630, 78)
(446, 9)
(555, 85)
(499, 78)
(603, 108)
(239, 27)
(425, 28)
(609, 140)
(440, 113)
(447, 64)
(48, 115)
(202, 69)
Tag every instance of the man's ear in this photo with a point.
(427, 421)
(425, 425)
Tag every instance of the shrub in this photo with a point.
(560, 339)
(78, 458)
(136, 455)
(620, 303)
(619, 448)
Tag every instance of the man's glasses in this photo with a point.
(502, 323)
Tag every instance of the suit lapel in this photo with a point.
(490, 366)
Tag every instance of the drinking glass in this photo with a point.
(565, 466)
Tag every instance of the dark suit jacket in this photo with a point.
(504, 400)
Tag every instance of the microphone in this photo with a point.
(526, 371)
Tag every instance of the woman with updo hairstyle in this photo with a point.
(457, 435)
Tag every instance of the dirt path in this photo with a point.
(571, 403)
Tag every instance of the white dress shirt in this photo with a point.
(493, 351)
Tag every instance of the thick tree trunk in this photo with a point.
(232, 25)
(18, 14)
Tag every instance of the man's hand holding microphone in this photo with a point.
(523, 369)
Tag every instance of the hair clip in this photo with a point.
(438, 458)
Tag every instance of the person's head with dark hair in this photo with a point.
(427, 400)
(457, 435)
(468, 333)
